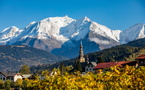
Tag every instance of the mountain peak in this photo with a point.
(66, 16)
(10, 28)
(13, 27)
(137, 31)
(57, 18)
(85, 19)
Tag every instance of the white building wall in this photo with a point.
(89, 68)
(16, 77)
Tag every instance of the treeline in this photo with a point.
(122, 53)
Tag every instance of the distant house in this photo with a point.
(141, 60)
(111, 64)
(10, 76)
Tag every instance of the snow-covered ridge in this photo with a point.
(65, 28)
(9, 33)
(104, 31)
(137, 31)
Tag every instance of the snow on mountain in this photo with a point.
(135, 32)
(59, 28)
(104, 31)
(9, 33)
(77, 29)
(49, 27)
(61, 35)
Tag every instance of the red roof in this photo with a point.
(142, 56)
(105, 65)
(110, 64)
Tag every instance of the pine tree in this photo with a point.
(100, 60)
(78, 66)
(62, 68)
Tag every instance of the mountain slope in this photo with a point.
(62, 35)
(133, 33)
(14, 56)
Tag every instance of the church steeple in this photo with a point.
(81, 54)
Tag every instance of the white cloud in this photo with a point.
(98, 41)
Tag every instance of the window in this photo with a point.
(141, 62)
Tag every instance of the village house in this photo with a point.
(10, 76)
(15, 76)
(90, 66)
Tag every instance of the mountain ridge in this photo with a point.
(58, 34)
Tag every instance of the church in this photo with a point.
(85, 64)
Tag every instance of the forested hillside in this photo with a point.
(124, 52)
(12, 57)
(120, 53)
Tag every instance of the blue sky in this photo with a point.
(115, 14)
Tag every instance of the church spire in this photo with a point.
(81, 54)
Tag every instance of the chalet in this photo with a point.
(141, 60)
(10, 76)
(111, 64)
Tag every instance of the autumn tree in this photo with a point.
(7, 85)
(25, 84)
(18, 83)
(1, 84)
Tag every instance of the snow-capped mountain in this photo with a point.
(9, 34)
(135, 32)
(62, 35)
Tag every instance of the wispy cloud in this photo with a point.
(98, 41)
